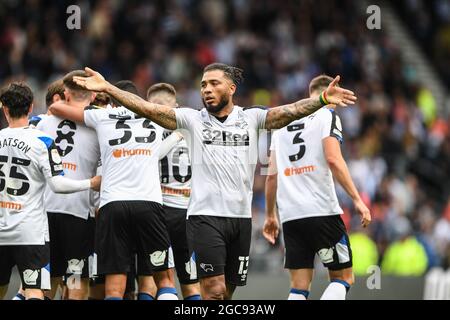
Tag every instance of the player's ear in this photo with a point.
(232, 89)
(93, 95)
(30, 109)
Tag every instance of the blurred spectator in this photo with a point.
(365, 252)
(405, 256)
(397, 144)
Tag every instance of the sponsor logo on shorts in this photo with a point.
(207, 267)
(326, 255)
(187, 267)
(122, 153)
(157, 258)
(75, 266)
(243, 267)
(30, 277)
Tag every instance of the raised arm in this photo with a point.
(279, 117)
(160, 114)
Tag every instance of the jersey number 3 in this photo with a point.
(297, 140)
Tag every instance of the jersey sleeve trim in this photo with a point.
(54, 158)
(47, 141)
(336, 127)
(34, 120)
(255, 107)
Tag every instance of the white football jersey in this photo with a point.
(28, 157)
(80, 153)
(95, 195)
(305, 182)
(175, 174)
(129, 146)
(34, 120)
(223, 159)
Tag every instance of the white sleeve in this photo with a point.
(60, 184)
(50, 161)
(184, 117)
(92, 116)
(259, 113)
(331, 125)
(273, 140)
(168, 143)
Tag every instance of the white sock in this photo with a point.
(167, 294)
(334, 291)
(296, 294)
(19, 296)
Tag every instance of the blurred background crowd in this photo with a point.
(397, 139)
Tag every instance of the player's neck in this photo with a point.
(78, 104)
(225, 111)
(18, 123)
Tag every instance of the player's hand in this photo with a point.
(363, 211)
(94, 81)
(337, 96)
(96, 183)
(271, 229)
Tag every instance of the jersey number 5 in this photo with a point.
(297, 140)
(13, 173)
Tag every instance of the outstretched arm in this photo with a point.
(279, 117)
(160, 114)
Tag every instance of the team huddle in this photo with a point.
(97, 195)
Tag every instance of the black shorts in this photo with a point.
(325, 236)
(71, 244)
(176, 226)
(128, 227)
(221, 246)
(33, 262)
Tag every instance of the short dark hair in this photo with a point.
(320, 83)
(127, 85)
(78, 92)
(101, 99)
(161, 87)
(17, 97)
(232, 73)
(56, 87)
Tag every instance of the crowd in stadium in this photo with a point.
(397, 140)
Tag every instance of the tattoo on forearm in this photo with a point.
(162, 115)
(281, 116)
